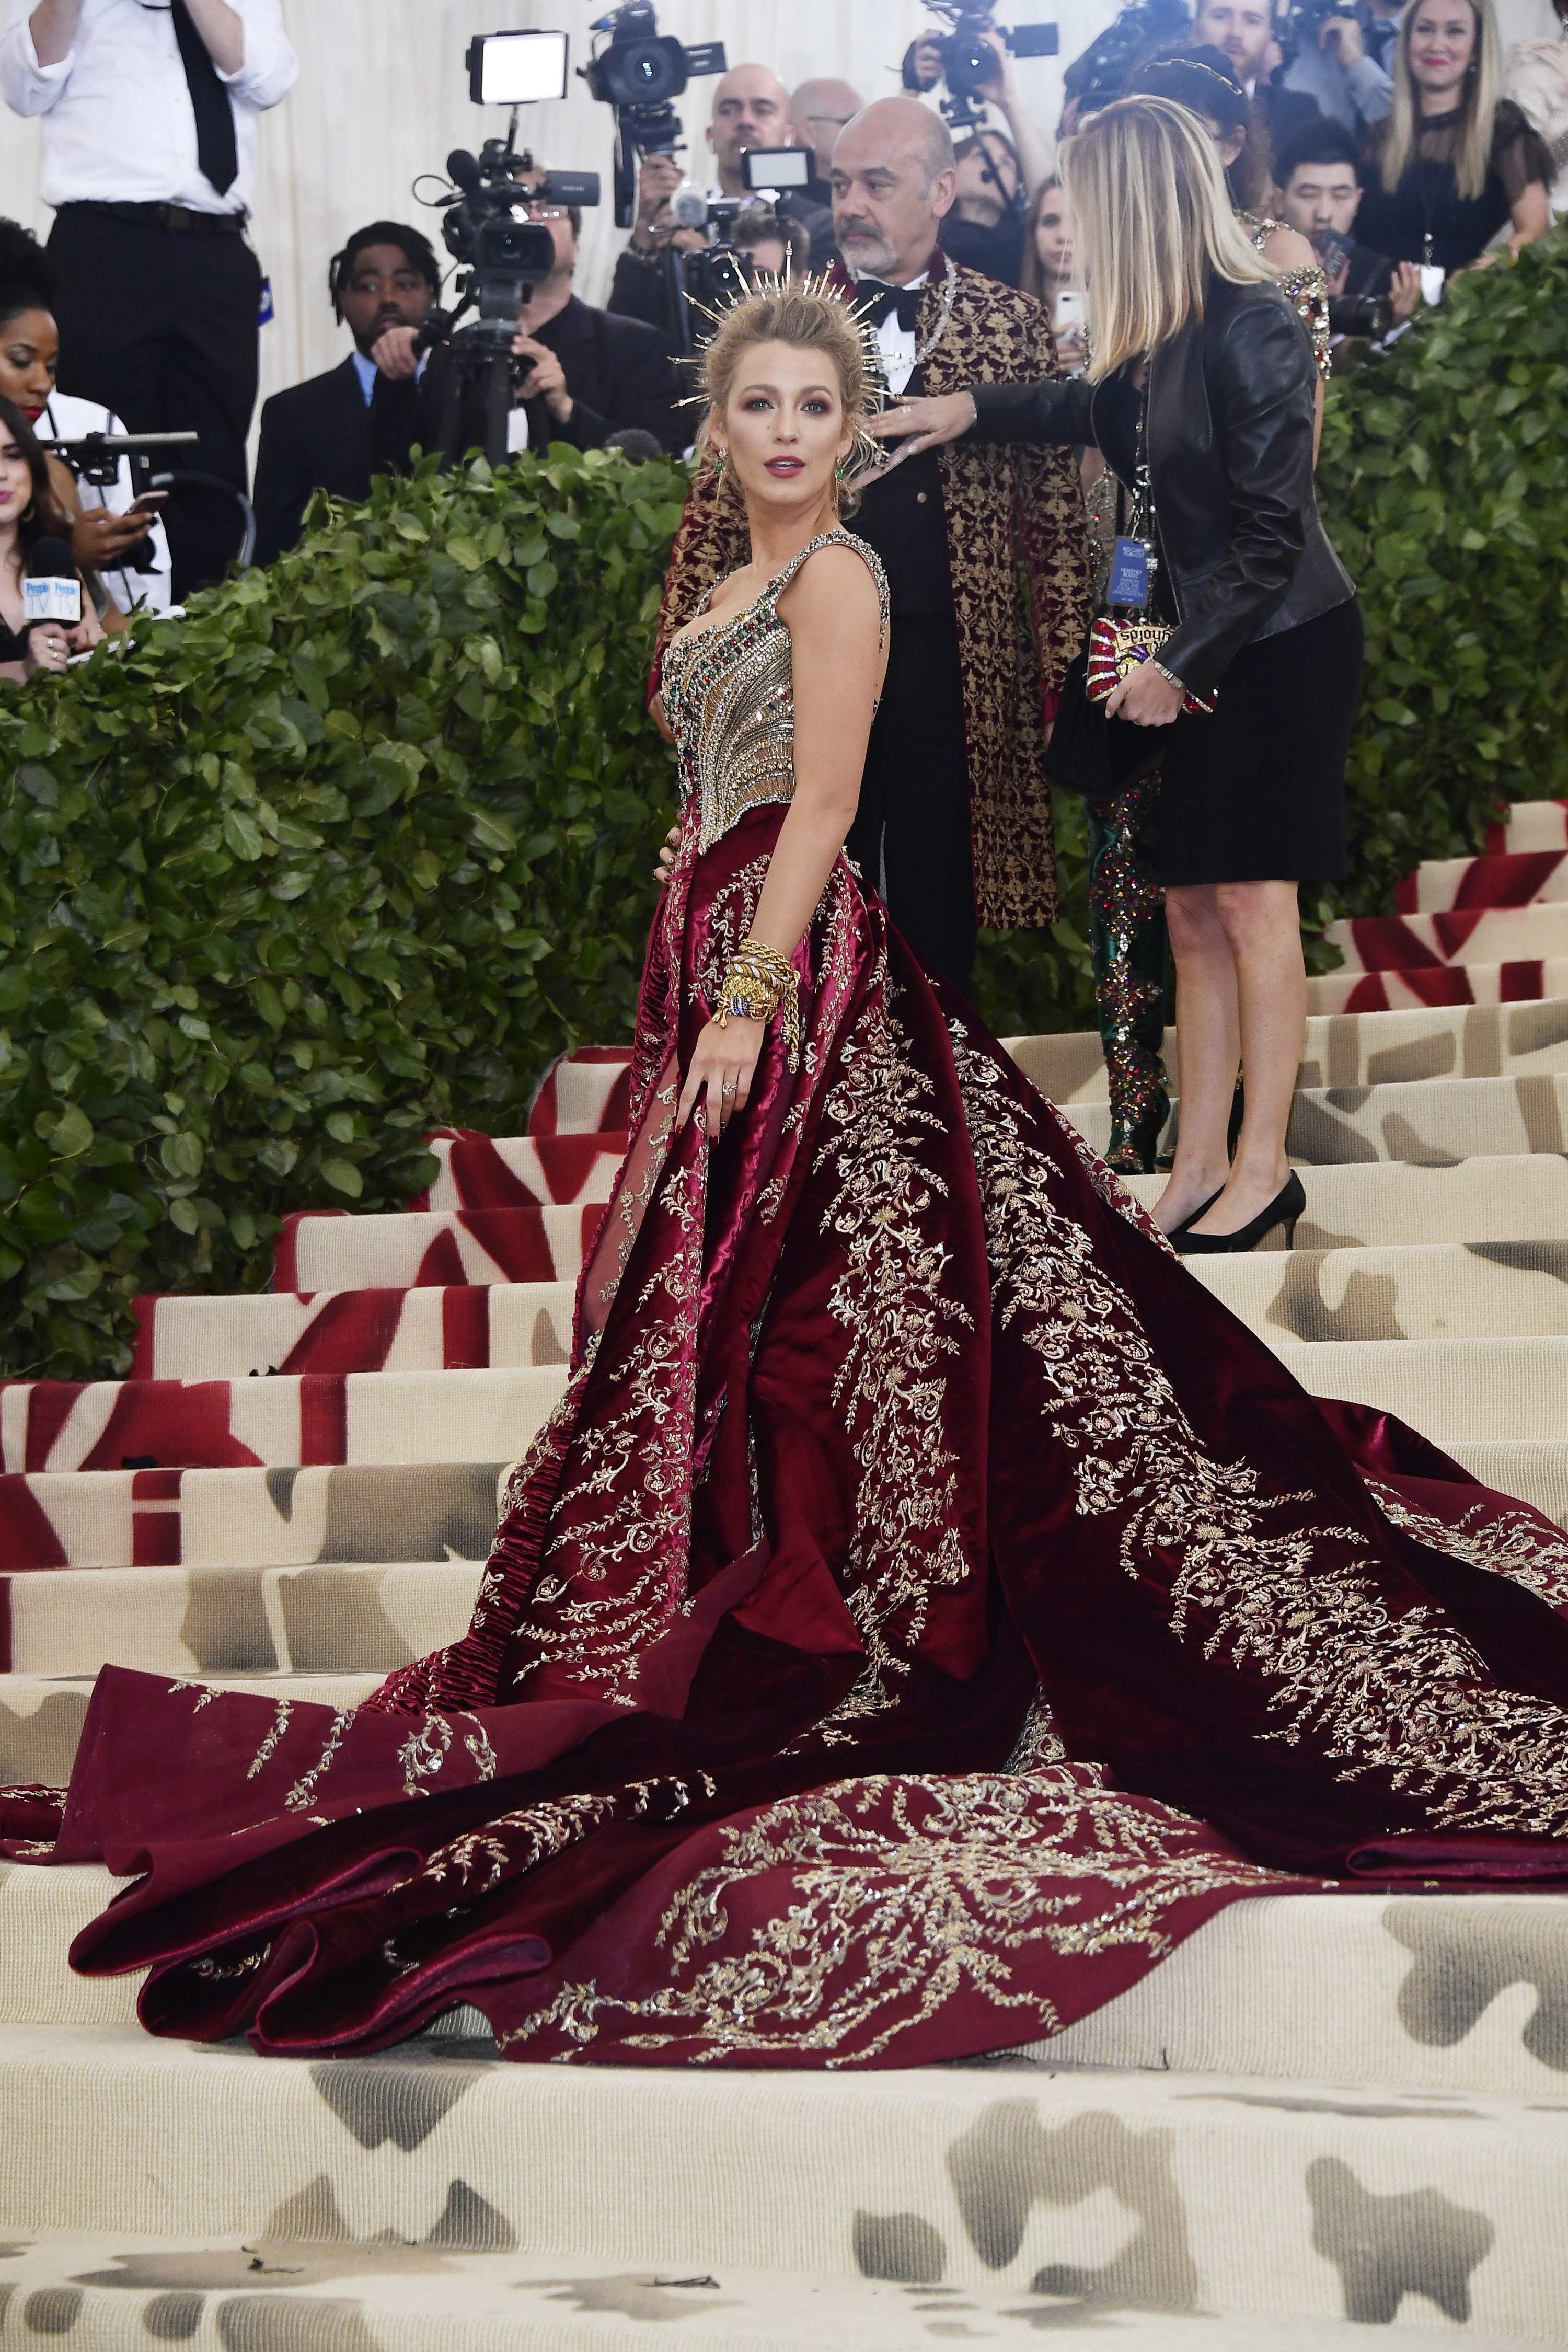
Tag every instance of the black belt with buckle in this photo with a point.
(163, 216)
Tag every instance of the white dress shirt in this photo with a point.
(65, 418)
(899, 345)
(118, 126)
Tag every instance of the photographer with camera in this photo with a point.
(819, 110)
(998, 173)
(751, 110)
(1343, 58)
(335, 431)
(584, 373)
(1320, 176)
(149, 117)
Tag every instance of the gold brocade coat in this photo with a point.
(1018, 548)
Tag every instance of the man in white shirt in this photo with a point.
(150, 111)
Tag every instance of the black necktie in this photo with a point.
(881, 302)
(215, 150)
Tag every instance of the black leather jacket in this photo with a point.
(1231, 404)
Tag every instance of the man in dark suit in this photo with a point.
(1245, 30)
(586, 373)
(335, 431)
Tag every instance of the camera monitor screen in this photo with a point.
(779, 167)
(515, 69)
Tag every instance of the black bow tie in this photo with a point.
(881, 302)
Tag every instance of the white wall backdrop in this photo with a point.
(383, 96)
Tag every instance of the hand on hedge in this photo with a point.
(667, 855)
(720, 1073)
(394, 352)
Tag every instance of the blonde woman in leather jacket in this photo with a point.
(1187, 315)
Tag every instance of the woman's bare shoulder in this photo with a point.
(1286, 249)
(836, 584)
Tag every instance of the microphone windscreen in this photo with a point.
(50, 559)
(463, 170)
(635, 444)
(52, 589)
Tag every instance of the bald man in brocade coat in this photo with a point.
(987, 560)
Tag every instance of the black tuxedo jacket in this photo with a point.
(322, 435)
(618, 373)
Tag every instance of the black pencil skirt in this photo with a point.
(1255, 792)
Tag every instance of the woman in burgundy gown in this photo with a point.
(927, 1604)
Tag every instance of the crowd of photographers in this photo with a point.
(1381, 132)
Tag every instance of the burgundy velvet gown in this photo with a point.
(926, 1607)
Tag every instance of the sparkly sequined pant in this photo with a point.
(1127, 935)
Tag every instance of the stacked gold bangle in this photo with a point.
(759, 984)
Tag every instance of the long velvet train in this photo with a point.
(927, 1606)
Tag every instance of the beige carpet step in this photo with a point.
(192, 1620)
(354, 1512)
(498, 1326)
(1492, 935)
(408, 1249)
(1455, 1391)
(1451, 1994)
(1531, 826)
(288, 1422)
(1429, 1124)
(1382, 1204)
(41, 1717)
(1534, 1468)
(121, 2293)
(1453, 1290)
(1348, 1049)
(1101, 2190)
(1424, 985)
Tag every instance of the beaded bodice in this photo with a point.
(729, 696)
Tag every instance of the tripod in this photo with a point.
(482, 363)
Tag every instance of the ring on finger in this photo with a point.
(728, 1088)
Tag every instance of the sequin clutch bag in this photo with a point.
(1116, 648)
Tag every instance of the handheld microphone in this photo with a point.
(52, 588)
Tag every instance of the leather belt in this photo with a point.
(179, 216)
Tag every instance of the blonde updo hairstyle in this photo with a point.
(807, 320)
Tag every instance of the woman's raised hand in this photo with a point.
(720, 1073)
(923, 424)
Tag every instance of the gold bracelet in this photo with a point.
(759, 984)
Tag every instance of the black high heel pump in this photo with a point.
(1287, 1205)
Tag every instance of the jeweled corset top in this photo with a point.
(729, 696)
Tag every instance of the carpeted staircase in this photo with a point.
(1323, 2115)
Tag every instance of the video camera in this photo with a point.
(968, 61)
(506, 256)
(1095, 76)
(640, 71)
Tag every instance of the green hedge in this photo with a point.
(1444, 484)
(349, 851)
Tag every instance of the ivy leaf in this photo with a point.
(182, 1154)
(72, 1133)
(344, 1177)
(242, 834)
